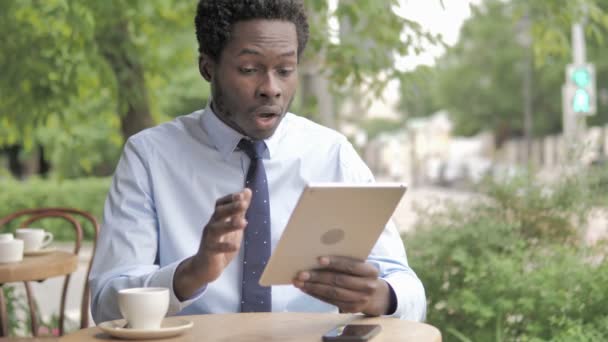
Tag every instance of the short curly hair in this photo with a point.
(215, 18)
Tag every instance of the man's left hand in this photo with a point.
(350, 284)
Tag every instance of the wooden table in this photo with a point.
(34, 268)
(39, 267)
(285, 326)
(29, 339)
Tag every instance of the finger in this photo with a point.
(341, 280)
(224, 200)
(244, 194)
(238, 206)
(219, 228)
(247, 194)
(349, 266)
(344, 299)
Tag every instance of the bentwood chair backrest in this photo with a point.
(74, 217)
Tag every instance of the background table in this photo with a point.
(251, 327)
(39, 267)
(32, 268)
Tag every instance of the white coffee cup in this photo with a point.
(6, 237)
(34, 239)
(144, 307)
(11, 251)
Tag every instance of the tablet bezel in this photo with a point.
(360, 211)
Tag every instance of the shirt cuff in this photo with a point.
(164, 278)
(392, 303)
(409, 296)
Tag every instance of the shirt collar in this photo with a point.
(225, 138)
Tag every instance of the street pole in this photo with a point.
(524, 38)
(527, 89)
(579, 51)
(579, 57)
(574, 124)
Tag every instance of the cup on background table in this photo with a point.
(6, 237)
(11, 250)
(34, 239)
(144, 307)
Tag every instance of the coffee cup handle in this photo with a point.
(48, 238)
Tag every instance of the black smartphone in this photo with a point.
(352, 333)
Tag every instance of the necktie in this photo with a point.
(256, 239)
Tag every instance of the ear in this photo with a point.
(205, 66)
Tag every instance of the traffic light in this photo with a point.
(581, 92)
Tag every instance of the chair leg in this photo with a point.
(84, 307)
(3, 314)
(32, 304)
(64, 293)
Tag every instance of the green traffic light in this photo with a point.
(581, 103)
(581, 77)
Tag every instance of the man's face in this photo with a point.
(255, 79)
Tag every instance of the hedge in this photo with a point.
(86, 194)
(513, 266)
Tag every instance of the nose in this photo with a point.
(269, 87)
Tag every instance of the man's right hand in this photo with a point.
(221, 241)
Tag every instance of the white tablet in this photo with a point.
(331, 219)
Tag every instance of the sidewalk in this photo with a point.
(425, 199)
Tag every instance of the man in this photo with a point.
(177, 215)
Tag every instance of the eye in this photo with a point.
(284, 72)
(247, 71)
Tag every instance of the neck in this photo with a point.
(226, 119)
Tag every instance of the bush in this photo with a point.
(14, 304)
(87, 194)
(512, 265)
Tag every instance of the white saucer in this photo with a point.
(169, 328)
(42, 251)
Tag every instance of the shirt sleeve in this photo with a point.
(126, 252)
(388, 255)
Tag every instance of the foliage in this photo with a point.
(91, 64)
(83, 147)
(598, 54)
(512, 266)
(480, 79)
(373, 127)
(51, 327)
(48, 59)
(14, 304)
(66, 93)
(551, 22)
(90, 73)
(17, 308)
(87, 194)
(418, 92)
(369, 36)
(58, 47)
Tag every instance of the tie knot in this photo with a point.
(254, 148)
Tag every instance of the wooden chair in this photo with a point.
(70, 215)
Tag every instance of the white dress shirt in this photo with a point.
(164, 191)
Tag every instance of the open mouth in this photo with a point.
(266, 120)
(266, 117)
